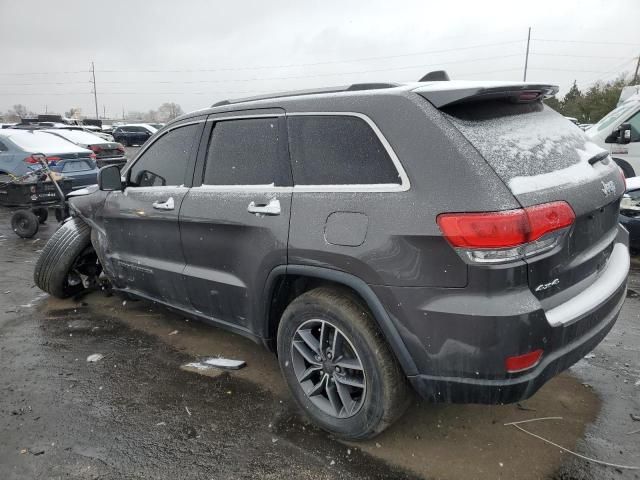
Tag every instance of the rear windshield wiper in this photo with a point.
(599, 158)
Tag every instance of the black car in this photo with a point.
(129, 135)
(459, 239)
(630, 213)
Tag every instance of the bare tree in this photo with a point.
(169, 111)
(74, 112)
(17, 112)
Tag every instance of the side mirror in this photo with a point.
(625, 134)
(621, 135)
(109, 179)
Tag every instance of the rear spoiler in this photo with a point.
(442, 94)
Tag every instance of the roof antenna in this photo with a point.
(436, 76)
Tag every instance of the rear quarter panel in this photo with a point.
(403, 244)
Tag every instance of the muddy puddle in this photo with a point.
(430, 441)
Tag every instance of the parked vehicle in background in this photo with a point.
(355, 232)
(134, 134)
(585, 126)
(90, 129)
(573, 120)
(72, 161)
(619, 132)
(107, 153)
(630, 212)
(157, 126)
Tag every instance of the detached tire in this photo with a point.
(25, 223)
(338, 365)
(56, 261)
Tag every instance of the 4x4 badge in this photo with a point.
(608, 188)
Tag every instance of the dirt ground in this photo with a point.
(139, 413)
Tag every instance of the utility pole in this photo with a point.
(104, 111)
(635, 75)
(95, 92)
(526, 58)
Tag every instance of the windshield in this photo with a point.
(612, 117)
(41, 142)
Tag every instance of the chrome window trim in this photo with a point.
(125, 172)
(403, 186)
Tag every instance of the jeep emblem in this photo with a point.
(608, 188)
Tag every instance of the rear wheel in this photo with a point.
(24, 223)
(338, 366)
(67, 262)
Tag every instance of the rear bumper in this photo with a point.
(459, 339)
(469, 390)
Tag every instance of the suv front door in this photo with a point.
(141, 222)
(235, 220)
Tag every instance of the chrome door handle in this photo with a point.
(168, 205)
(271, 208)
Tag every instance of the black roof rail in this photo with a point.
(315, 91)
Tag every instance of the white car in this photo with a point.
(619, 132)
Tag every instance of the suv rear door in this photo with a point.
(141, 223)
(235, 219)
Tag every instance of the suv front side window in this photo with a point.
(164, 163)
(338, 150)
(247, 152)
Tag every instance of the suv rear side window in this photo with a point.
(165, 161)
(338, 150)
(247, 152)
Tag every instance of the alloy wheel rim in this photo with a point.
(328, 368)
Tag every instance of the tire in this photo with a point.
(24, 223)
(376, 395)
(42, 214)
(626, 168)
(55, 263)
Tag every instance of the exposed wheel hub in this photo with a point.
(328, 368)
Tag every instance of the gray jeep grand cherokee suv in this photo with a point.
(458, 239)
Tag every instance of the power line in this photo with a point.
(583, 41)
(363, 59)
(541, 54)
(290, 77)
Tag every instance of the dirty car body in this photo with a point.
(481, 297)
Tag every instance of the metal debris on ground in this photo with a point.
(222, 363)
(95, 357)
(175, 332)
(187, 409)
(593, 460)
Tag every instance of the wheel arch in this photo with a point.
(287, 282)
(626, 167)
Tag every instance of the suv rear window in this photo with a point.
(247, 152)
(338, 150)
(530, 146)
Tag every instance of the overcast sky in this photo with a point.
(197, 52)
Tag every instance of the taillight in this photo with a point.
(95, 148)
(33, 160)
(523, 362)
(492, 237)
(93, 156)
(120, 148)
